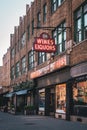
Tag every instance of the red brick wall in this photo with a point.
(79, 53)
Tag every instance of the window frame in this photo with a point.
(55, 4)
(79, 15)
(42, 57)
(59, 31)
(31, 59)
(44, 12)
(23, 64)
(39, 19)
(17, 69)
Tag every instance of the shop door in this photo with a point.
(50, 102)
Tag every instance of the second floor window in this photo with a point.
(59, 34)
(31, 59)
(81, 23)
(23, 65)
(41, 57)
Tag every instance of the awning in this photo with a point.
(21, 92)
(9, 94)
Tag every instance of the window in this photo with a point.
(39, 19)
(42, 100)
(17, 69)
(44, 12)
(28, 32)
(41, 57)
(80, 98)
(32, 27)
(31, 59)
(23, 63)
(55, 4)
(81, 23)
(23, 40)
(61, 98)
(12, 53)
(59, 35)
(12, 73)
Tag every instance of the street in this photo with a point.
(22, 122)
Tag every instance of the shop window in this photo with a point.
(80, 98)
(61, 98)
(42, 100)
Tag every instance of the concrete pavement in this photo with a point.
(21, 122)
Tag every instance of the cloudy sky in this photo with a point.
(10, 11)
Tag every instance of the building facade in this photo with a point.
(5, 80)
(6, 69)
(59, 78)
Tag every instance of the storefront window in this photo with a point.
(80, 93)
(80, 98)
(42, 99)
(61, 98)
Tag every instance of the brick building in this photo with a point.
(6, 70)
(5, 79)
(60, 78)
(1, 73)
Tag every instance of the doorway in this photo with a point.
(50, 102)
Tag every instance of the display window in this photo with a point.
(80, 98)
(80, 93)
(61, 98)
(42, 99)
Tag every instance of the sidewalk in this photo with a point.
(22, 122)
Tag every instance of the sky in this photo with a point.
(10, 11)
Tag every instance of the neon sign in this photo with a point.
(44, 44)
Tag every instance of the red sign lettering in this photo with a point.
(44, 45)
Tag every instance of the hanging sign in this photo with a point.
(44, 44)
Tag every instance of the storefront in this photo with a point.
(51, 87)
(51, 91)
(79, 92)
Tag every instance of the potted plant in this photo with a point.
(29, 109)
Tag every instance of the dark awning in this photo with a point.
(21, 92)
